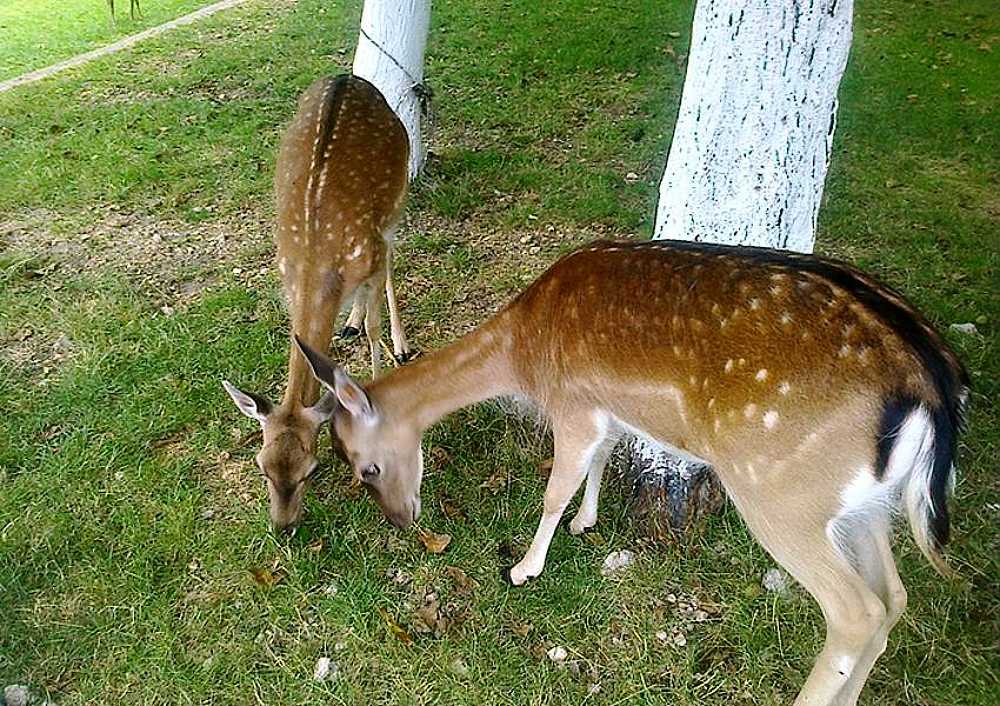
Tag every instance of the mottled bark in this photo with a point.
(747, 165)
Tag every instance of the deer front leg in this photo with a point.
(373, 322)
(580, 441)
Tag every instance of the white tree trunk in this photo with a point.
(755, 128)
(746, 167)
(390, 54)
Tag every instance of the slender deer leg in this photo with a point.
(357, 316)
(586, 516)
(579, 441)
(873, 555)
(373, 322)
(854, 616)
(400, 347)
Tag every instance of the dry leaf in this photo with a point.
(495, 482)
(451, 510)
(522, 629)
(545, 467)
(317, 546)
(395, 628)
(265, 578)
(462, 581)
(435, 543)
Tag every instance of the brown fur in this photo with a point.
(775, 368)
(340, 183)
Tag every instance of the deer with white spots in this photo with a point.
(340, 183)
(823, 400)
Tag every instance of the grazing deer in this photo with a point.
(822, 399)
(340, 182)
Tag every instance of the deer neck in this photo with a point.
(475, 368)
(315, 327)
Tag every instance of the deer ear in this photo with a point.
(350, 395)
(324, 408)
(254, 406)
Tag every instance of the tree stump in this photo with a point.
(668, 496)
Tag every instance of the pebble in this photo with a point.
(617, 561)
(558, 654)
(969, 329)
(325, 669)
(16, 695)
(775, 581)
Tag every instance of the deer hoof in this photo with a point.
(406, 356)
(349, 332)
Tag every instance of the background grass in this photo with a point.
(135, 273)
(38, 33)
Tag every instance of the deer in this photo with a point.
(822, 398)
(340, 182)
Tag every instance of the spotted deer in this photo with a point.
(823, 400)
(340, 182)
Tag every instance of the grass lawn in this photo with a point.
(41, 32)
(135, 273)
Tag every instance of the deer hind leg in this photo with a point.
(400, 346)
(854, 613)
(586, 515)
(581, 441)
(357, 316)
(854, 617)
(373, 321)
(872, 554)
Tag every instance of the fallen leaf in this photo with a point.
(495, 481)
(265, 578)
(462, 581)
(395, 628)
(317, 546)
(451, 510)
(545, 467)
(522, 629)
(434, 543)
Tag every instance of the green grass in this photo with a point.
(38, 33)
(131, 519)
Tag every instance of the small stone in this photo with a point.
(680, 639)
(775, 581)
(325, 669)
(615, 562)
(459, 667)
(167, 310)
(968, 329)
(207, 514)
(557, 654)
(16, 695)
(331, 590)
(631, 178)
(662, 635)
(340, 645)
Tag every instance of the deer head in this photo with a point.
(384, 454)
(287, 460)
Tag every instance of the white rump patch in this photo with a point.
(909, 468)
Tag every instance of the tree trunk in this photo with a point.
(390, 54)
(747, 164)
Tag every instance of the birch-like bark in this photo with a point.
(746, 166)
(755, 129)
(390, 54)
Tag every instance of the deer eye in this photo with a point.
(371, 472)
